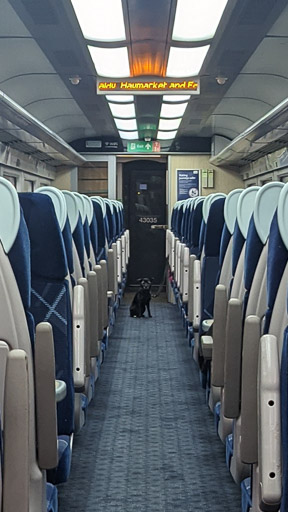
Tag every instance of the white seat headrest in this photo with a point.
(207, 203)
(88, 208)
(198, 200)
(245, 208)
(100, 201)
(10, 214)
(282, 212)
(265, 206)
(230, 208)
(59, 203)
(81, 205)
(72, 209)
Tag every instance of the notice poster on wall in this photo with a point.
(187, 183)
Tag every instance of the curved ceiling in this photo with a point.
(42, 46)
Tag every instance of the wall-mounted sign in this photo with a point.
(100, 145)
(146, 86)
(187, 183)
(141, 146)
(93, 144)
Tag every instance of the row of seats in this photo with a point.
(228, 263)
(63, 266)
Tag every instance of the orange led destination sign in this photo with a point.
(167, 86)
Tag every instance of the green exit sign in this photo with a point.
(141, 146)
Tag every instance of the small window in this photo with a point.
(12, 179)
(28, 186)
(263, 182)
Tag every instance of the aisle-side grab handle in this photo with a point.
(79, 338)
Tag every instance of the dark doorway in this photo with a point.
(144, 198)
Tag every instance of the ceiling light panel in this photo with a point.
(112, 62)
(100, 21)
(173, 110)
(184, 62)
(129, 135)
(123, 110)
(169, 124)
(121, 98)
(166, 135)
(171, 98)
(126, 124)
(197, 21)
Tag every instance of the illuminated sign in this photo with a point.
(152, 86)
(141, 146)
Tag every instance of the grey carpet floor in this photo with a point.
(149, 443)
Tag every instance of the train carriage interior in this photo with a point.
(144, 158)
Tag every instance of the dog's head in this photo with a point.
(145, 283)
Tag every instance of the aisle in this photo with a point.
(149, 444)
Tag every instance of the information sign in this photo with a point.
(187, 183)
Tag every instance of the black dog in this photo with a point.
(142, 299)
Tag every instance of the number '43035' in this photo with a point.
(148, 220)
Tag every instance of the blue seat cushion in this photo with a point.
(217, 408)
(229, 449)
(78, 237)
(225, 239)
(60, 474)
(94, 235)
(254, 247)
(51, 498)
(51, 303)
(101, 230)
(246, 501)
(48, 256)
(276, 262)
(67, 238)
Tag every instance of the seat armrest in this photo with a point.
(233, 353)
(207, 347)
(249, 417)
(269, 420)
(46, 415)
(93, 317)
(16, 477)
(79, 339)
(219, 331)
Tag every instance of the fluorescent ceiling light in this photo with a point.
(111, 62)
(100, 21)
(166, 135)
(176, 97)
(123, 110)
(126, 124)
(186, 61)
(173, 110)
(197, 20)
(129, 135)
(120, 98)
(169, 124)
